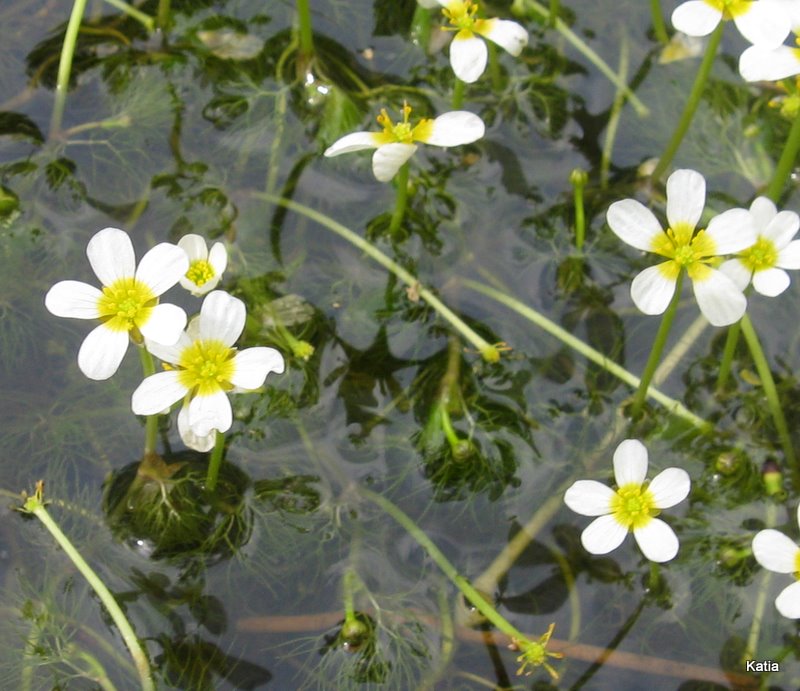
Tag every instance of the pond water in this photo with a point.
(216, 125)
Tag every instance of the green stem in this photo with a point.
(695, 96)
(771, 393)
(731, 340)
(658, 348)
(494, 68)
(164, 16)
(614, 115)
(673, 406)
(304, 28)
(761, 599)
(458, 93)
(151, 421)
(555, 6)
(578, 178)
(215, 461)
(65, 64)
(401, 186)
(447, 427)
(489, 352)
(421, 27)
(659, 28)
(786, 162)
(349, 584)
(145, 19)
(35, 505)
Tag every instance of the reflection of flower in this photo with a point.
(205, 267)
(632, 506)
(127, 306)
(720, 300)
(468, 53)
(762, 22)
(206, 367)
(776, 552)
(395, 145)
(772, 252)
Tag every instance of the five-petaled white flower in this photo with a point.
(632, 506)
(762, 22)
(777, 552)
(127, 306)
(720, 300)
(773, 251)
(395, 144)
(468, 53)
(205, 367)
(205, 268)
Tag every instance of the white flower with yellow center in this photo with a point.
(395, 144)
(777, 552)
(773, 251)
(762, 22)
(205, 267)
(127, 306)
(633, 506)
(204, 369)
(468, 52)
(720, 300)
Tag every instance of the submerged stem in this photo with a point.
(215, 461)
(144, 19)
(458, 93)
(786, 162)
(304, 28)
(65, 64)
(401, 198)
(731, 340)
(151, 421)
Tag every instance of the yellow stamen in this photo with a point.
(126, 304)
(206, 367)
(200, 272)
(762, 255)
(633, 506)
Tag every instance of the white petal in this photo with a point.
(788, 602)
(222, 317)
(602, 535)
(356, 141)
(207, 413)
(652, 289)
(761, 64)
(630, 462)
(763, 210)
(686, 197)
(386, 161)
(789, 256)
(732, 231)
(720, 301)
(696, 18)
(737, 272)
(455, 128)
(165, 324)
(218, 258)
(162, 267)
(157, 392)
(764, 23)
(169, 353)
(782, 228)
(589, 498)
(192, 440)
(657, 540)
(633, 223)
(253, 365)
(671, 486)
(110, 253)
(771, 282)
(101, 352)
(509, 35)
(194, 245)
(468, 56)
(775, 551)
(73, 299)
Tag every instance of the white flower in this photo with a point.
(773, 251)
(632, 506)
(205, 268)
(395, 144)
(776, 552)
(468, 52)
(720, 300)
(758, 63)
(205, 368)
(127, 306)
(762, 22)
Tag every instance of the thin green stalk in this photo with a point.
(725, 364)
(578, 178)
(771, 393)
(494, 68)
(65, 64)
(164, 16)
(673, 406)
(401, 198)
(151, 421)
(761, 599)
(695, 96)
(144, 19)
(421, 27)
(458, 93)
(659, 28)
(614, 115)
(489, 352)
(215, 461)
(555, 6)
(786, 162)
(36, 506)
(304, 28)
(658, 348)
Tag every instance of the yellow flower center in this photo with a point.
(762, 255)
(126, 304)
(730, 8)
(206, 367)
(200, 272)
(461, 14)
(686, 249)
(633, 506)
(797, 564)
(402, 131)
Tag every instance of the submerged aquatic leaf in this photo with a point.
(231, 45)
